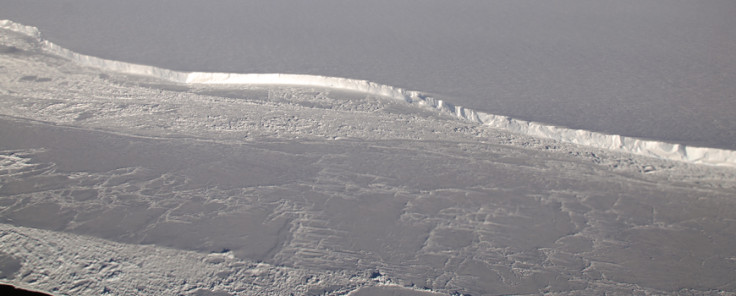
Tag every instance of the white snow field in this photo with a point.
(151, 184)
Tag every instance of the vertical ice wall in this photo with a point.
(658, 149)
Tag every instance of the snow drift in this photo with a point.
(658, 149)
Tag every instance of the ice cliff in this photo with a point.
(658, 149)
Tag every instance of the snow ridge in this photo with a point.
(657, 149)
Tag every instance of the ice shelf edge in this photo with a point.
(650, 148)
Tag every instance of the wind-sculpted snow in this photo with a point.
(657, 149)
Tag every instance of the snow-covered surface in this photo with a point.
(132, 184)
(711, 156)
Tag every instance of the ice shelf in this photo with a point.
(651, 148)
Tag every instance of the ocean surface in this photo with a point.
(662, 70)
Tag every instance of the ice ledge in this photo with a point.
(657, 149)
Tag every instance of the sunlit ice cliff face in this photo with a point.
(644, 69)
(589, 138)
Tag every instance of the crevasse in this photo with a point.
(651, 148)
